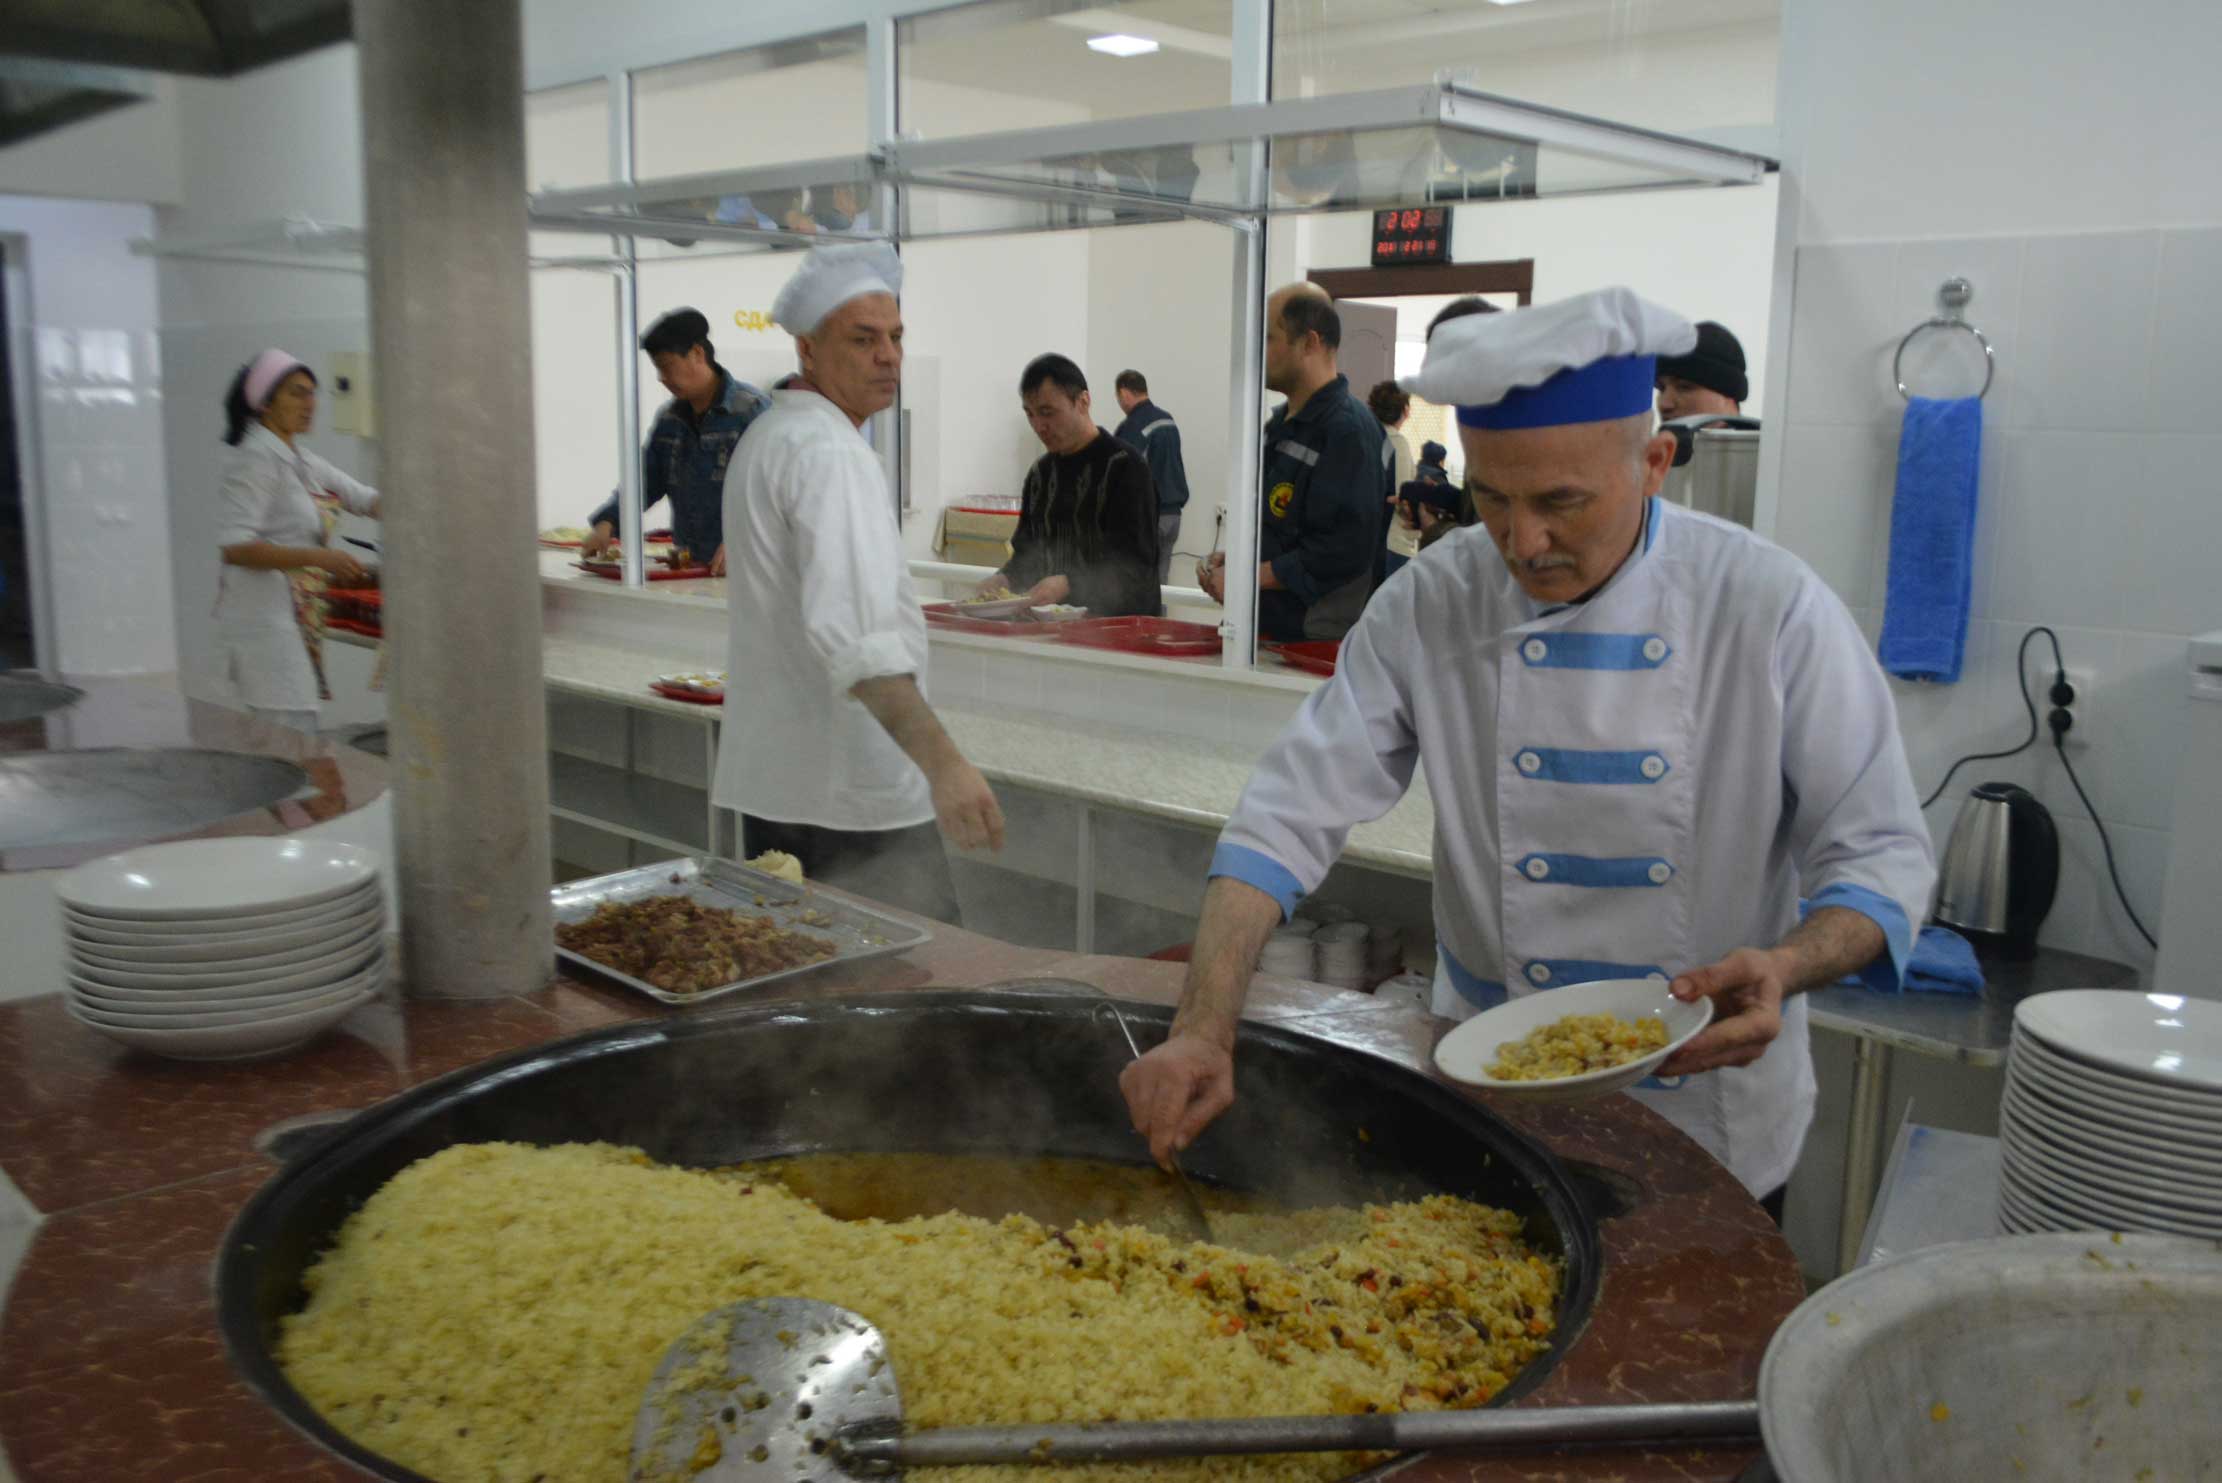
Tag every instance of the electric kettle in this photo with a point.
(2001, 868)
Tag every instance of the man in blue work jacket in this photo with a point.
(1150, 431)
(693, 436)
(1326, 487)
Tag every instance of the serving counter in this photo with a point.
(109, 1354)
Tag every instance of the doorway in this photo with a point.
(1385, 314)
(18, 633)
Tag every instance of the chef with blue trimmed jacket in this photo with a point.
(1648, 734)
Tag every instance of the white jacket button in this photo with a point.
(1654, 648)
(1654, 767)
(1539, 973)
(1530, 763)
(1660, 872)
(1657, 977)
(1536, 650)
(1538, 869)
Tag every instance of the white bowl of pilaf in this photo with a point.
(1574, 1043)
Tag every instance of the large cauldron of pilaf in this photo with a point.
(1025, 1071)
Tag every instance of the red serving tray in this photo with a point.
(361, 597)
(680, 692)
(1316, 655)
(946, 615)
(1167, 637)
(356, 625)
(614, 571)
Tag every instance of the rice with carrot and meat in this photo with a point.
(496, 1311)
(1576, 1044)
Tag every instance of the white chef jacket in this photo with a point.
(1629, 787)
(818, 598)
(268, 495)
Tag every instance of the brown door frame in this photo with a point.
(1511, 276)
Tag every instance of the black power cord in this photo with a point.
(2060, 720)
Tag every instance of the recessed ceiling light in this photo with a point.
(1508, 2)
(1119, 44)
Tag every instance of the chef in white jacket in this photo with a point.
(277, 508)
(1647, 734)
(830, 751)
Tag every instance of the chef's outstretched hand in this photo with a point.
(1175, 1091)
(1746, 988)
(965, 807)
(598, 540)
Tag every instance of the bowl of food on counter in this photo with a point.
(1573, 1043)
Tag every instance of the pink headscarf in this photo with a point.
(263, 375)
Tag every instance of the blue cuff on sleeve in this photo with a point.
(1253, 868)
(1887, 974)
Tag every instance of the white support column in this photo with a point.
(443, 154)
(632, 525)
(1252, 83)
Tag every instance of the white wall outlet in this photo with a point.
(353, 406)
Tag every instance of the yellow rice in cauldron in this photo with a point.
(495, 1311)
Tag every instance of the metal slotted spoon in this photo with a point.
(805, 1394)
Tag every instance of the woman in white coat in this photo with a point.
(280, 503)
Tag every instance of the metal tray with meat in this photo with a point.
(694, 929)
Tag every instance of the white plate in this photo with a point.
(310, 970)
(137, 1017)
(123, 943)
(708, 682)
(2096, 1108)
(143, 929)
(1466, 1053)
(226, 950)
(2102, 1211)
(2122, 1176)
(232, 994)
(217, 877)
(1007, 607)
(1058, 612)
(230, 1042)
(2130, 1091)
(2155, 1153)
(2154, 1037)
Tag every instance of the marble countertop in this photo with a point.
(148, 711)
(113, 1370)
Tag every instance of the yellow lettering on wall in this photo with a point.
(756, 320)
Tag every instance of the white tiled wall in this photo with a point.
(2100, 512)
(89, 353)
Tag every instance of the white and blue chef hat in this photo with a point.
(1590, 358)
(831, 276)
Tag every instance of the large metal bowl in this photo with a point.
(2058, 1356)
(129, 795)
(24, 697)
(1024, 1072)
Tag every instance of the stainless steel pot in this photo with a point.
(1026, 1071)
(2058, 1356)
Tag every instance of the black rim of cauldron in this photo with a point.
(330, 1180)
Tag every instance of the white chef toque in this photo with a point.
(1590, 358)
(831, 276)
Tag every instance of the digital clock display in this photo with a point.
(1411, 234)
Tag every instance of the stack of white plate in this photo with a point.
(1339, 954)
(2112, 1118)
(1288, 952)
(221, 949)
(1384, 952)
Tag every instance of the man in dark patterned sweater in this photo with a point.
(1087, 528)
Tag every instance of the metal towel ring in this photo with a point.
(1952, 297)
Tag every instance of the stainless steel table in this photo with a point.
(1972, 1029)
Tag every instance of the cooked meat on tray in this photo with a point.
(686, 947)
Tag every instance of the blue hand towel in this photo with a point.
(1932, 539)
(1943, 962)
